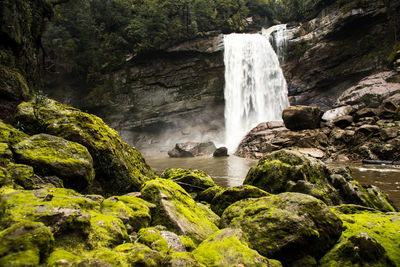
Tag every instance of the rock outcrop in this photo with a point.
(291, 171)
(347, 41)
(119, 167)
(301, 117)
(192, 149)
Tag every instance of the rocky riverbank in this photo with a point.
(73, 194)
(366, 130)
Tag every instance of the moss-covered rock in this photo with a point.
(25, 242)
(61, 257)
(229, 196)
(51, 155)
(183, 259)
(22, 175)
(188, 243)
(291, 171)
(134, 212)
(13, 84)
(177, 210)
(209, 213)
(286, 227)
(357, 250)
(228, 247)
(281, 170)
(152, 238)
(5, 154)
(10, 135)
(209, 194)
(119, 167)
(141, 255)
(381, 227)
(193, 181)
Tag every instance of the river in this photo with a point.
(231, 171)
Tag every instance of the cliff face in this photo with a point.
(174, 95)
(344, 43)
(21, 25)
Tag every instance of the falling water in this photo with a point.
(255, 88)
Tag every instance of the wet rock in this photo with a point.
(301, 117)
(221, 152)
(192, 149)
(119, 167)
(285, 227)
(366, 113)
(51, 155)
(388, 133)
(229, 247)
(193, 181)
(177, 210)
(230, 195)
(343, 121)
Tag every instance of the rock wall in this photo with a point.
(344, 43)
(164, 97)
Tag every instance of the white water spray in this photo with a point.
(255, 88)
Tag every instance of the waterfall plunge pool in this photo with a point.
(231, 171)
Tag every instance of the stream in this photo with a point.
(231, 171)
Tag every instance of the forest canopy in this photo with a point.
(93, 37)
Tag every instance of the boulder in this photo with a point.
(359, 249)
(335, 113)
(51, 155)
(229, 247)
(291, 171)
(221, 152)
(160, 240)
(302, 117)
(285, 227)
(193, 181)
(25, 244)
(183, 259)
(287, 170)
(209, 194)
(177, 210)
(119, 167)
(10, 135)
(192, 149)
(381, 227)
(343, 121)
(230, 195)
(133, 212)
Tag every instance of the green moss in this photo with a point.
(209, 194)
(383, 227)
(229, 196)
(228, 247)
(141, 255)
(22, 175)
(13, 84)
(188, 243)
(22, 258)
(106, 231)
(5, 154)
(134, 212)
(391, 58)
(59, 257)
(119, 167)
(26, 236)
(10, 135)
(152, 238)
(51, 155)
(177, 210)
(190, 180)
(184, 259)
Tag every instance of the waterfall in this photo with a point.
(255, 88)
(277, 34)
